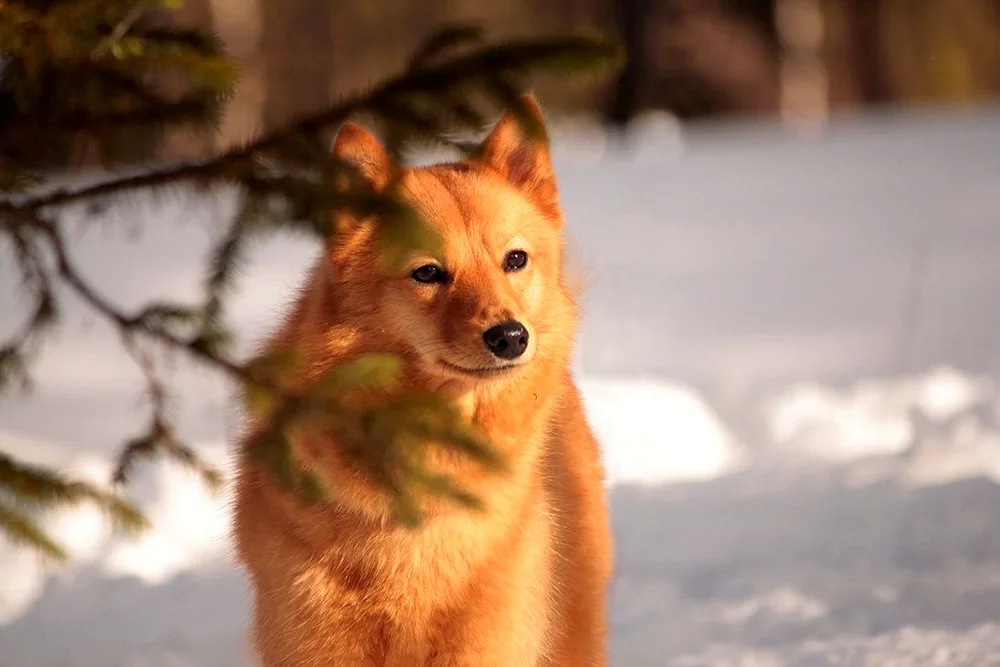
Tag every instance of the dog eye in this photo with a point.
(515, 260)
(428, 273)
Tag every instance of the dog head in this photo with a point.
(494, 299)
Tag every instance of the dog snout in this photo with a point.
(507, 340)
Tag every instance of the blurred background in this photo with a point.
(788, 215)
(797, 60)
(800, 61)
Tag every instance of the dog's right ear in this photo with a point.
(522, 160)
(359, 148)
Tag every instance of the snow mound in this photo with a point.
(653, 432)
(877, 416)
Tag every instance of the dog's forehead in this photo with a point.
(469, 203)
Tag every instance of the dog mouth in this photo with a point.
(481, 371)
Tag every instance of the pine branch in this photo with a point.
(156, 322)
(15, 353)
(376, 432)
(159, 437)
(446, 39)
(106, 45)
(21, 529)
(85, 65)
(291, 182)
(570, 55)
(35, 488)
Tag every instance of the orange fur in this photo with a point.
(520, 584)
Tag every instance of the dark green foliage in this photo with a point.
(94, 68)
(107, 75)
(24, 488)
(388, 440)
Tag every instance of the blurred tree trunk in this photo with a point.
(297, 46)
(631, 19)
(763, 14)
(184, 144)
(864, 24)
(237, 22)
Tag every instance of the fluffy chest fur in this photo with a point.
(395, 596)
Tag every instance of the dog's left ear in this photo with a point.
(522, 159)
(359, 148)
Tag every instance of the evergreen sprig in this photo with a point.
(24, 488)
(109, 57)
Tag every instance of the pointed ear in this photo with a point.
(520, 158)
(358, 147)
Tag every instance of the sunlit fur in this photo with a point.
(519, 584)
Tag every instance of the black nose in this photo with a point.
(507, 340)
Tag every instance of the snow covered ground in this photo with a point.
(790, 354)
